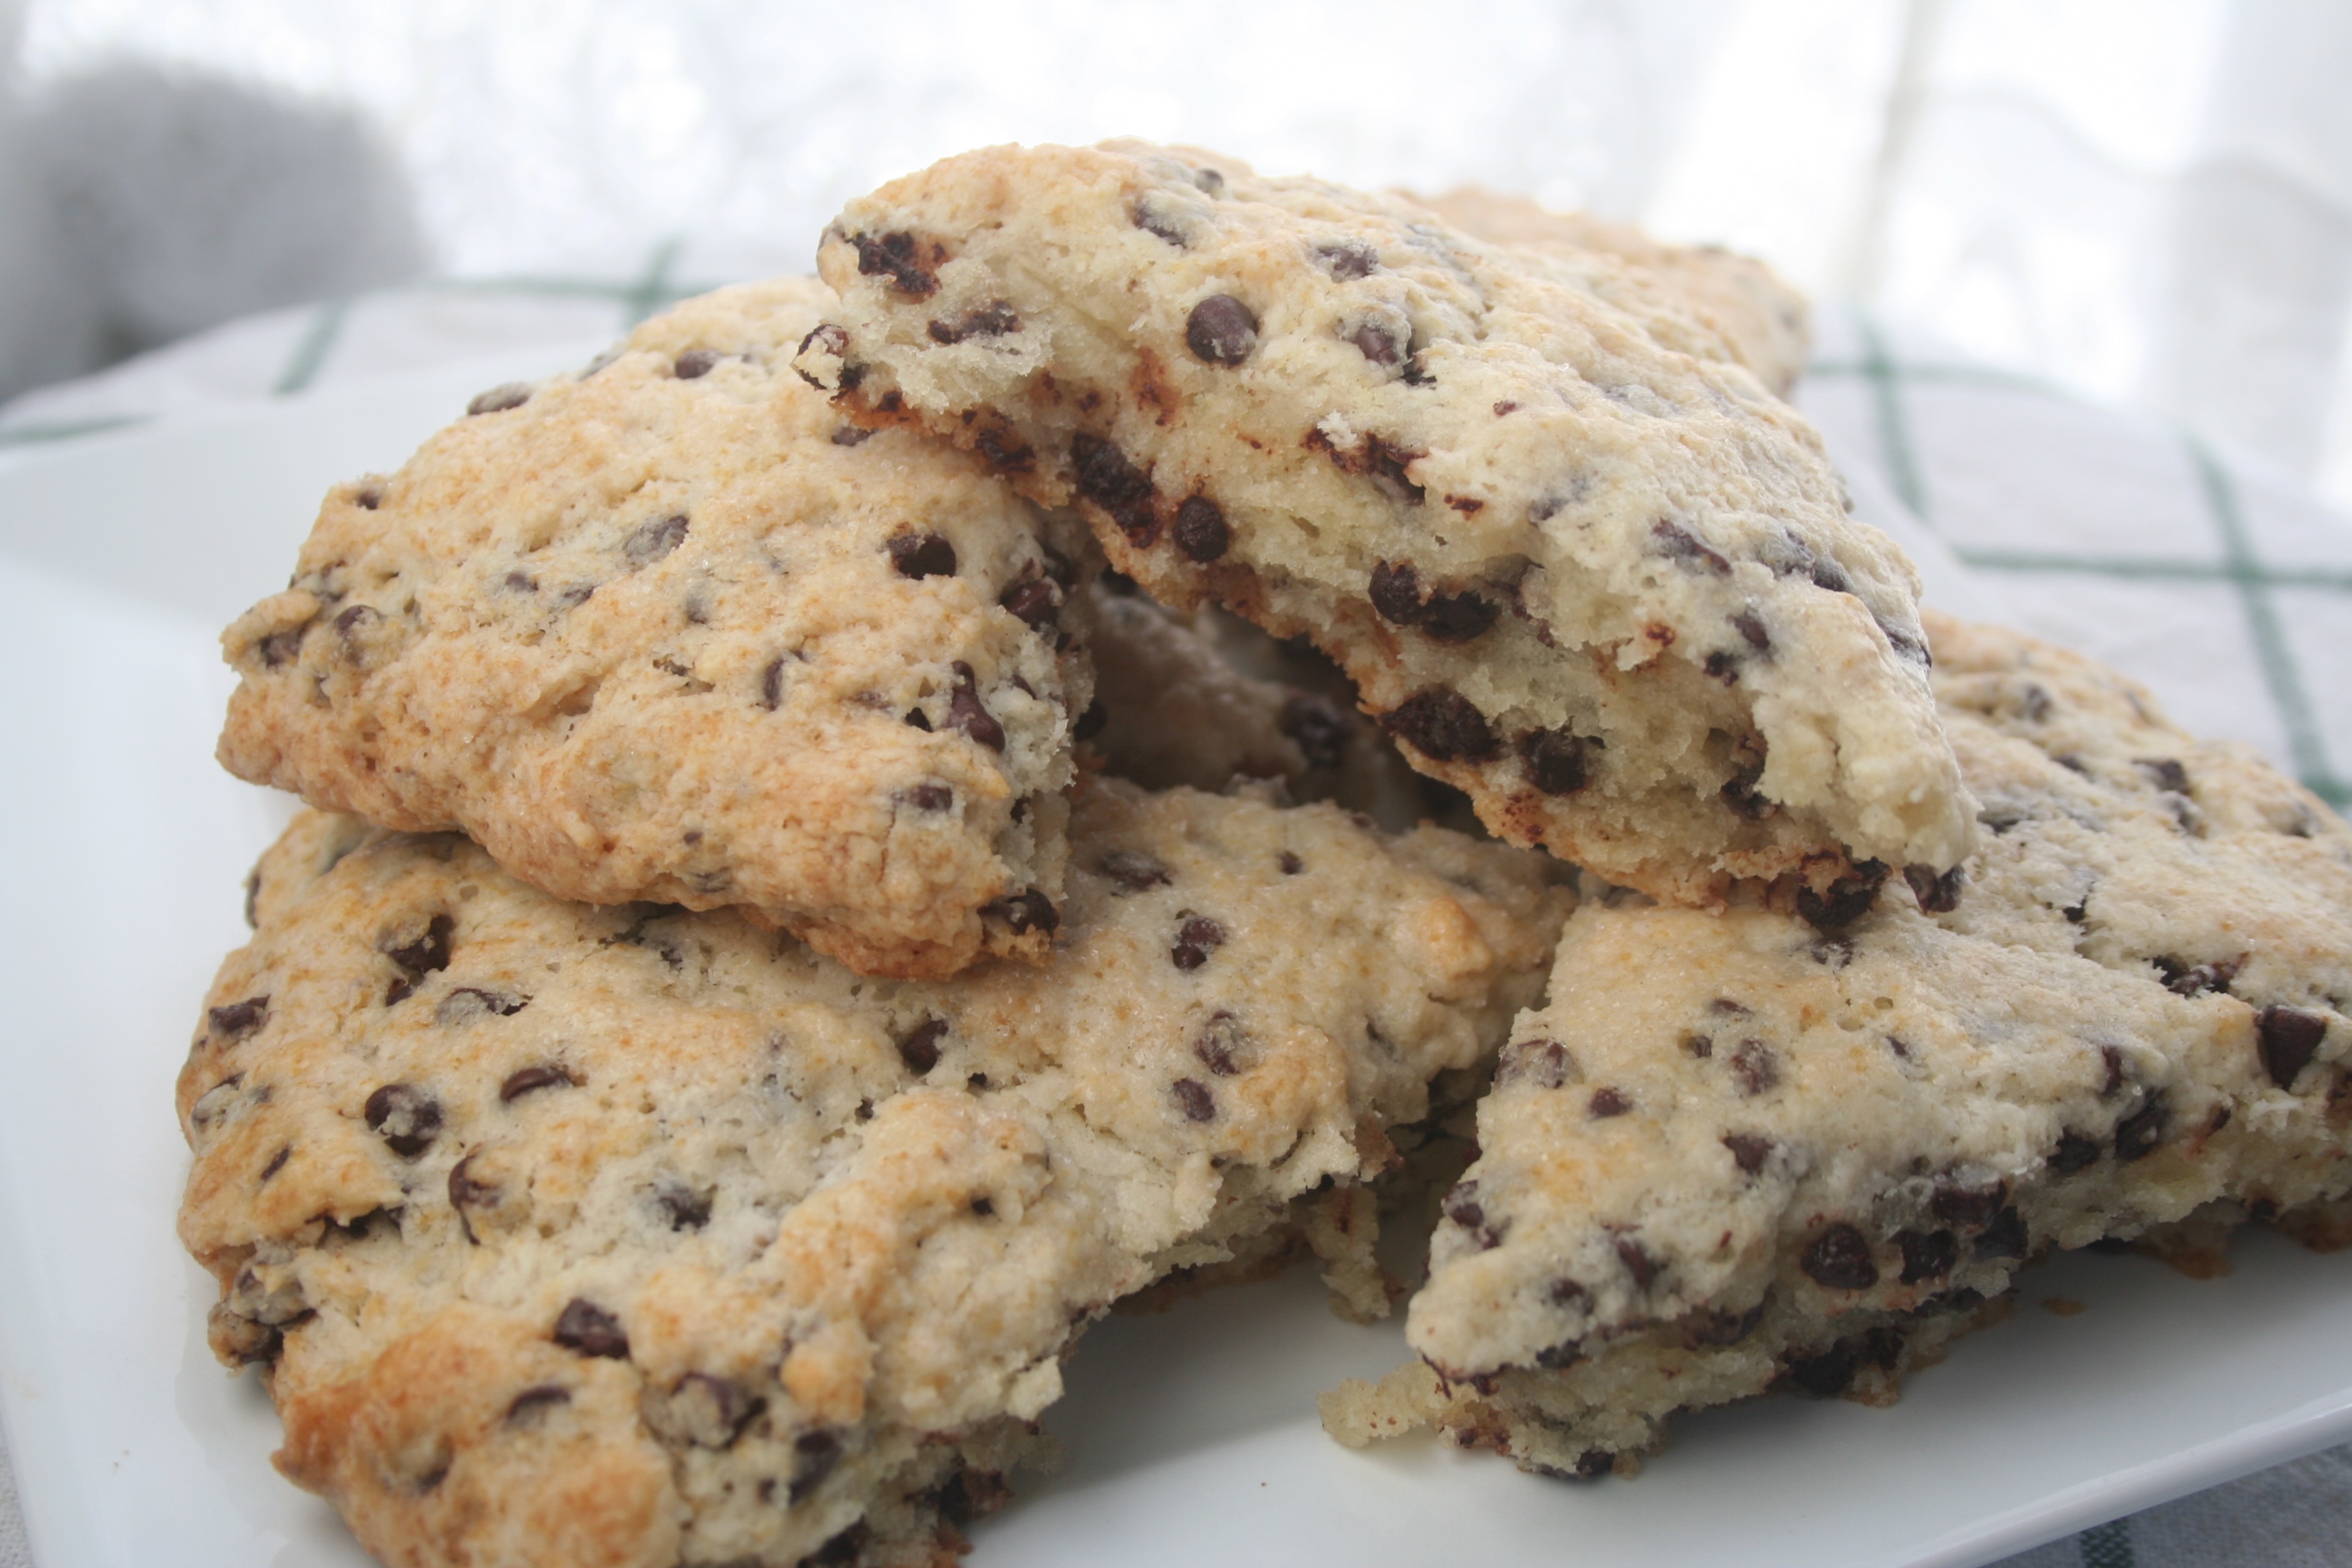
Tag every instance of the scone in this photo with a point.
(570, 1235)
(1762, 321)
(1577, 559)
(671, 629)
(1731, 1153)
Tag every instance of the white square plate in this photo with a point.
(1192, 1433)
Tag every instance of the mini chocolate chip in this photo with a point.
(278, 1162)
(280, 648)
(1106, 478)
(1836, 952)
(1840, 1258)
(1637, 1261)
(1376, 345)
(353, 624)
(1461, 1206)
(1750, 627)
(1221, 330)
(2184, 979)
(1969, 1208)
(1193, 1095)
(896, 256)
(426, 954)
(1201, 532)
(534, 1404)
(2165, 773)
(1024, 911)
(918, 719)
(2137, 1135)
(920, 555)
(1396, 592)
(695, 363)
(1607, 1102)
(1939, 893)
(1748, 1152)
(499, 398)
(400, 990)
(1824, 1376)
(369, 497)
(1455, 618)
(1320, 728)
(1567, 1352)
(1723, 665)
(1197, 938)
(1558, 762)
(1844, 900)
(1827, 574)
(1290, 863)
(919, 1047)
(1539, 1064)
(1927, 1255)
(543, 1075)
(1742, 795)
(1347, 259)
(406, 1117)
(684, 1208)
(2112, 1059)
(1134, 870)
(850, 436)
(1444, 725)
(1757, 1066)
(2074, 1151)
(1679, 544)
(467, 1194)
(1033, 601)
(467, 1003)
(930, 797)
(2005, 1235)
(1218, 1042)
(966, 713)
(651, 540)
(2286, 1038)
(814, 1455)
(989, 320)
(772, 685)
(238, 1019)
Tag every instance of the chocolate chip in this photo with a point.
(1938, 892)
(352, 625)
(238, 1019)
(1969, 1208)
(919, 1047)
(920, 555)
(421, 954)
(2165, 773)
(1748, 1152)
(1461, 1206)
(918, 719)
(2286, 1038)
(2112, 1058)
(1637, 1261)
(966, 713)
(1444, 725)
(1320, 728)
(1221, 330)
(695, 363)
(1162, 219)
(850, 436)
(1827, 574)
(1679, 544)
(1033, 601)
(1840, 1258)
(1757, 1067)
(1134, 870)
(2184, 979)
(280, 648)
(1567, 1352)
(1825, 1376)
(2074, 1151)
(1219, 1044)
(1844, 900)
(1558, 762)
(369, 497)
(2005, 1235)
(541, 1075)
(1106, 478)
(1927, 1256)
(1197, 938)
(1742, 795)
(468, 1195)
(1376, 345)
(685, 1208)
(814, 1455)
(1023, 912)
(930, 797)
(534, 1404)
(1201, 532)
(1193, 1095)
(406, 1118)
(1347, 259)
(1539, 1064)
(1397, 595)
(1291, 865)
(2137, 1135)
(990, 320)
(1750, 627)
(772, 685)
(499, 398)
(898, 258)
(651, 540)
(1606, 1103)
(278, 1162)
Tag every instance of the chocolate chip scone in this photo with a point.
(1763, 321)
(1731, 1153)
(576, 1236)
(671, 629)
(1603, 583)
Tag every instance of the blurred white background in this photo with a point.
(2149, 201)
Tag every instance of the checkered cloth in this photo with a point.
(2206, 576)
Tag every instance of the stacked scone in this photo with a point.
(789, 936)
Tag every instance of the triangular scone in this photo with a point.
(670, 629)
(1605, 585)
(632, 1236)
(1730, 1150)
(1760, 320)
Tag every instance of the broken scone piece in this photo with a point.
(566, 1235)
(672, 629)
(1731, 1153)
(1576, 556)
